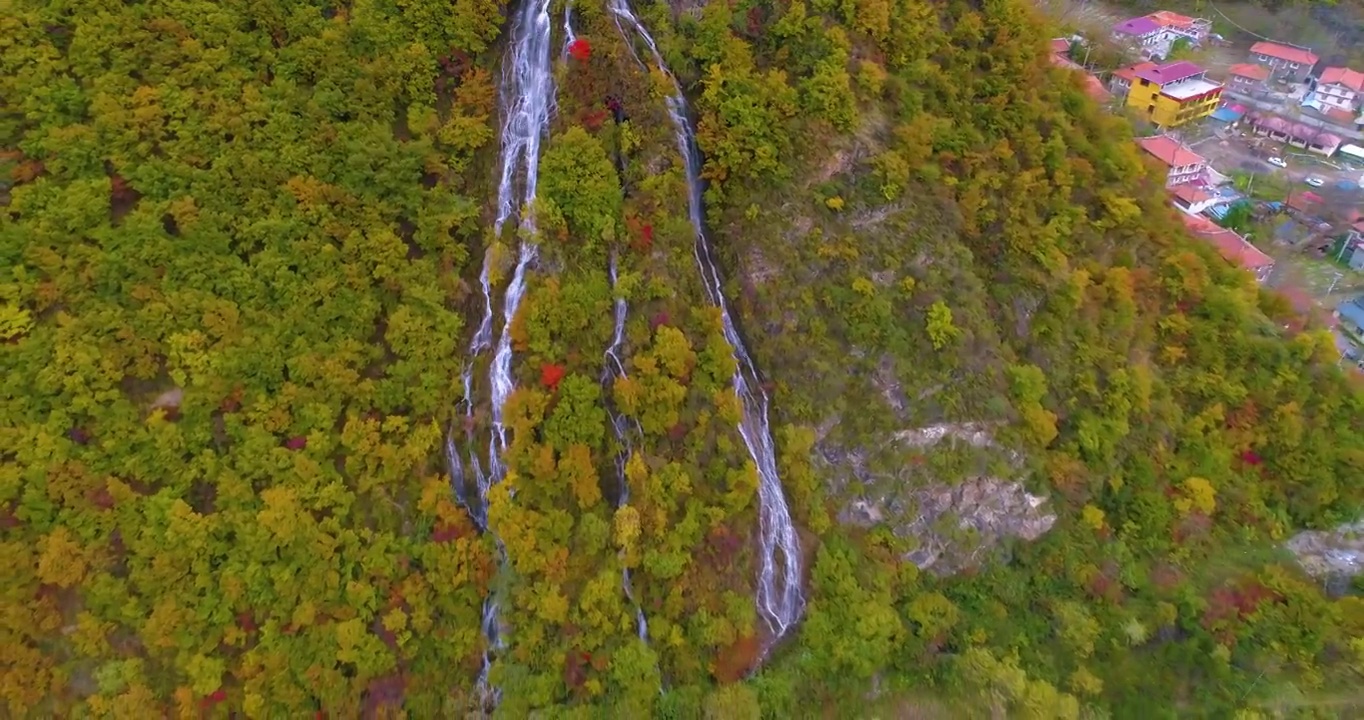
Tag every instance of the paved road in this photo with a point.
(1235, 154)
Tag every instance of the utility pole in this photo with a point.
(1339, 275)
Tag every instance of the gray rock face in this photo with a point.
(1339, 552)
(956, 525)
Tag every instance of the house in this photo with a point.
(1357, 258)
(1194, 200)
(1230, 114)
(1141, 34)
(1305, 202)
(1351, 314)
(1337, 88)
(1286, 62)
(1173, 94)
(1156, 35)
(1249, 78)
(1195, 30)
(1094, 87)
(1231, 246)
(1182, 164)
(1300, 135)
(1123, 78)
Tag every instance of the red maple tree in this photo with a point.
(550, 375)
(580, 49)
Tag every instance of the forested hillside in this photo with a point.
(1040, 448)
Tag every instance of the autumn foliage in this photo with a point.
(551, 374)
(580, 49)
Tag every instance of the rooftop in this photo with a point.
(1167, 150)
(1165, 18)
(1189, 88)
(1250, 70)
(1170, 72)
(1060, 46)
(1192, 195)
(1343, 76)
(1302, 56)
(1137, 26)
(1229, 244)
(1296, 130)
(1130, 73)
(1352, 310)
(1094, 87)
(1229, 113)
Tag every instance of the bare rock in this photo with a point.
(1339, 552)
(955, 525)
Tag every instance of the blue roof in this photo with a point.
(1353, 310)
(1226, 115)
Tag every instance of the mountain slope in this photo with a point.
(1040, 447)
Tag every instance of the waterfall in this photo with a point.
(613, 370)
(779, 597)
(569, 35)
(526, 97)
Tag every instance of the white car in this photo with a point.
(1315, 181)
(1277, 162)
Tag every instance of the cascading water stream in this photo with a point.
(612, 371)
(569, 35)
(779, 596)
(526, 97)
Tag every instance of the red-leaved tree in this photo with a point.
(580, 49)
(551, 374)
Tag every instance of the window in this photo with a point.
(1145, 82)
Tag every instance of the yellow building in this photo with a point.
(1172, 94)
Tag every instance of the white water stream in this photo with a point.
(527, 94)
(779, 596)
(614, 370)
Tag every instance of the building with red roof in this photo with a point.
(1300, 135)
(1094, 87)
(1122, 78)
(1155, 35)
(1192, 199)
(1337, 88)
(1286, 61)
(1231, 246)
(1182, 165)
(1249, 78)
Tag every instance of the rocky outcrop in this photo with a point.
(1335, 554)
(954, 525)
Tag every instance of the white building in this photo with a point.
(1339, 88)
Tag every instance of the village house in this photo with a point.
(1182, 165)
(1094, 87)
(1287, 63)
(1155, 35)
(1173, 94)
(1336, 88)
(1141, 35)
(1299, 135)
(1351, 314)
(1231, 246)
(1193, 200)
(1122, 79)
(1248, 78)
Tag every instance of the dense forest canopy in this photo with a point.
(241, 248)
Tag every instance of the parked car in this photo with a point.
(1277, 162)
(1315, 181)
